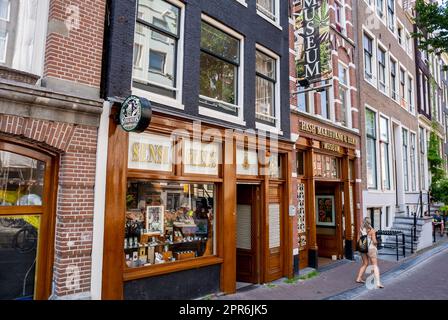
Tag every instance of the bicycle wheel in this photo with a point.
(25, 240)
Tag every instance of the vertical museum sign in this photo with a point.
(312, 42)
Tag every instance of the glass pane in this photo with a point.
(370, 123)
(384, 129)
(160, 13)
(18, 252)
(385, 165)
(217, 79)
(264, 100)
(267, 7)
(301, 102)
(219, 43)
(168, 221)
(154, 57)
(371, 163)
(3, 45)
(265, 65)
(21, 180)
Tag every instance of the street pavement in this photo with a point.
(421, 276)
(426, 281)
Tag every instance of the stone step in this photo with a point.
(403, 226)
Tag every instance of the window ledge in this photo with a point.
(242, 2)
(164, 268)
(204, 111)
(152, 97)
(276, 24)
(265, 127)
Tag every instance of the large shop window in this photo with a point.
(23, 34)
(220, 60)
(156, 47)
(21, 199)
(265, 88)
(168, 222)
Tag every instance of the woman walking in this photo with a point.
(372, 254)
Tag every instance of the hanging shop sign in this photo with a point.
(325, 132)
(201, 158)
(150, 152)
(312, 40)
(135, 114)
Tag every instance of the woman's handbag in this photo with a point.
(362, 244)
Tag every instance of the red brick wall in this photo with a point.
(74, 213)
(75, 53)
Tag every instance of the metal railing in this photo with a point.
(397, 245)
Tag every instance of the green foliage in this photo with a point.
(434, 159)
(439, 191)
(432, 19)
(310, 275)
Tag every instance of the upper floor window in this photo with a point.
(303, 102)
(400, 34)
(344, 94)
(340, 17)
(268, 8)
(393, 79)
(391, 14)
(410, 94)
(368, 57)
(380, 8)
(382, 70)
(23, 34)
(265, 90)
(219, 66)
(325, 101)
(4, 10)
(156, 40)
(384, 149)
(403, 88)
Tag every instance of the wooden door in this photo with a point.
(329, 238)
(273, 234)
(247, 234)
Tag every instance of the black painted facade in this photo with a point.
(118, 55)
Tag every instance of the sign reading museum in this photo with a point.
(312, 22)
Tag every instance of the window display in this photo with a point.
(168, 221)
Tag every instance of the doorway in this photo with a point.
(248, 234)
(329, 220)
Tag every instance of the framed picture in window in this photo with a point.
(154, 220)
(325, 211)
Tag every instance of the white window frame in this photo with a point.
(409, 43)
(397, 69)
(389, 148)
(377, 153)
(394, 17)
(158, 98)
(276, 14)
(3, 54)
(277, 100)
(386, 68)
(343, 22)
(411, 102)
(242, 2)
(405, 93)
(373, 80)
(407, 155)
(204, 111)
(8, 15)
(348, 111)
(399, 25)
(384, 12)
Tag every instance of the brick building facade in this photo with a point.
(50, 109)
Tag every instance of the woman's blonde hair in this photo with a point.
(367, 224)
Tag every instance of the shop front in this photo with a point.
(190, 210)
(328, 196)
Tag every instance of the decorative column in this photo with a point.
(311, 207)
(348, 218)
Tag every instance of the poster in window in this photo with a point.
(154, 219)
(325, 211)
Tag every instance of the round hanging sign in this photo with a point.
(135, 114)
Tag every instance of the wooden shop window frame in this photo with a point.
(46, 213)
(187, 264)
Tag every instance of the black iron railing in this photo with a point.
(397, 246)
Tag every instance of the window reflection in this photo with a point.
(18, 251)
(21, 180)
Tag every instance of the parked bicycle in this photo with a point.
(25, 240)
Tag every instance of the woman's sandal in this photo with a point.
(360, 281)
(380, 286)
